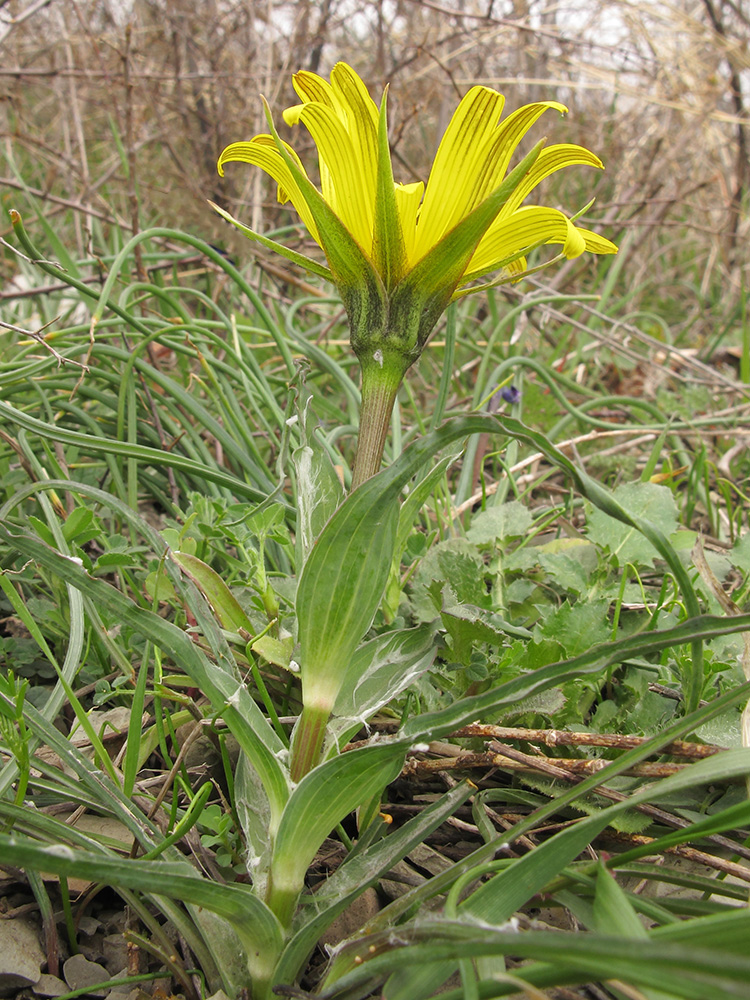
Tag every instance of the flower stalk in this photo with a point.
(382, 375)
(309, 736)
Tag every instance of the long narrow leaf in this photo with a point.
(226, 691)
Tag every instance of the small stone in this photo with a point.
(352, 919)
(80, 973)
(89, 925)
(115, 952)
(21, 955)
(50, 986)
(124, 991)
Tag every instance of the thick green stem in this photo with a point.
(308, 741)
(381, 378)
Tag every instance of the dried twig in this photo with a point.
(37, 336)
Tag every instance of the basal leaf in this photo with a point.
(321, 800)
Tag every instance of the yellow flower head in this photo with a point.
(400, 252)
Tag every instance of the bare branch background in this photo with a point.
(116, 109)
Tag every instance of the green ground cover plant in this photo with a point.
(530, 627)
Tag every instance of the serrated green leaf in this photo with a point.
(507, 520)
(456, 562)
(577, 626)
(569, 562)
(432, 725)
(625, 543)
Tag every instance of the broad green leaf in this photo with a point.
(254, 923)
(349, 880)
(321, 800)
(461, 566)
(740, 552)
(80, 526)
(318, 488)
(342, 584)
(254, 813)
(379, 671)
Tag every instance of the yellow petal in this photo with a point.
(361, 112)
(550, 160)
(408, 200)
(510, 133)
(458, 175)
(360, 116)
(311, 87)
(596, 243)
(522, 230)
(291, 115)
(262, 152)
(344, 184)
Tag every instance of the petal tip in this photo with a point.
(292, 115)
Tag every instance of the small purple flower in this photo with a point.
(510, 394)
